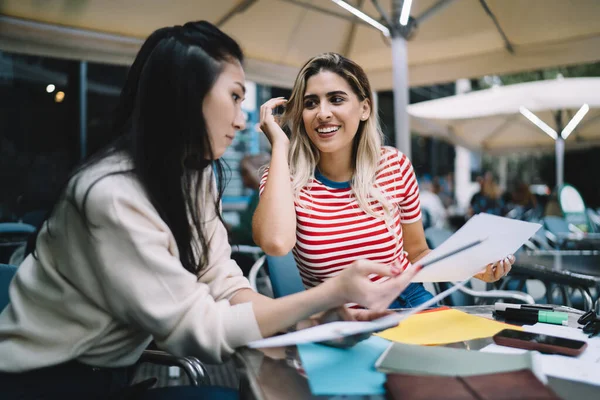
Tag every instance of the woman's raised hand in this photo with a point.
(355, 286)
(269, 125)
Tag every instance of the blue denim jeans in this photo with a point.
(414, 295)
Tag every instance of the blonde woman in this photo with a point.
(350, 197)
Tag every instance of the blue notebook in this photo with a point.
(333, 371)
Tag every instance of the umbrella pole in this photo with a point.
(560, 160)
(559, 148)
(400, 80)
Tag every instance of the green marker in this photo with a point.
(531, 314)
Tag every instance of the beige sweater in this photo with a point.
(101, 295)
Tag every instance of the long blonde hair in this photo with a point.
(366, 152)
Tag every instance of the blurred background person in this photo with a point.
(520, 202)
(432, 204)
(489, 198)
(443, 186)
(250, 170)
(241, 234)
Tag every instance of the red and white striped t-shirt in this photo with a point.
(333, 231)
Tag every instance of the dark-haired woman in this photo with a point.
(135, 249)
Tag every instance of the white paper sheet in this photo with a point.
(504, 236)
(584, 368)
(336, 330)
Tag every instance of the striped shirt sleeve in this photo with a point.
(263, 181)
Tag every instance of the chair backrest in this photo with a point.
(594, 219)
(13, 235)
(16, 227)
(284, 275)
(7, 272)
(35, 218)
(573, 207)
(18, 255)
(436, 236)
(539, 238)
(556, 224)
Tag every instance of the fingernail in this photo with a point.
(395, 270)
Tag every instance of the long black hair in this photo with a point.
(159, 124)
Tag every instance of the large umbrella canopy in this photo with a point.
(448, 39)
(492, 120)
(454, 38)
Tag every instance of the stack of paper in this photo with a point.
(503, 236)
(447, 361)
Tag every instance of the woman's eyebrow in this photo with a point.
(328, 94)
(242, 86)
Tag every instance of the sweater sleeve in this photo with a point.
(144, 283)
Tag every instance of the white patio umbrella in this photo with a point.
(448, 39)
(526, 117)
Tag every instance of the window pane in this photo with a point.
(37, 142)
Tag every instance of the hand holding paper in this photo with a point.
(496, 271)
(504, 236)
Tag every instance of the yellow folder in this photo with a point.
(442, 327)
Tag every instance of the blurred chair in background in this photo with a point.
(13, 235)
(279, 275)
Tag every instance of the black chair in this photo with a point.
(561, 286)
(194, 369)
